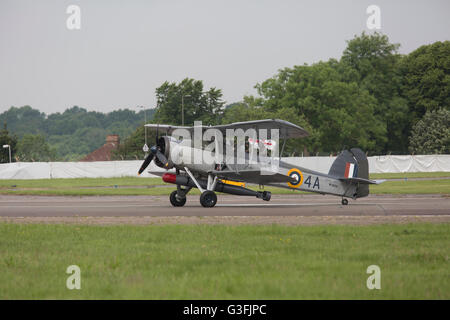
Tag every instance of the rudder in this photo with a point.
(351, 164)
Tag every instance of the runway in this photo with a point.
(282, 208)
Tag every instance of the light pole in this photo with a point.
(145, 148)
(182, 108)
(9, 147)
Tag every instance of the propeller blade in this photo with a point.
(146, 162)
(161, 157)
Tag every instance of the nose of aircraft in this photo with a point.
(154, 151)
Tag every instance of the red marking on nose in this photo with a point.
(169, 177)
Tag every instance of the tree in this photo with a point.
(34, 148)
(198, 106)
(370, 98)
(7, 139)
(426, 78)
(431, 134)
(248, 110)
(75, 132)
(23, 120)
(376, 61)
(341, 112)
(131, 147)
(188, 95)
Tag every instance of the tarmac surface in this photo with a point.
(282, 209)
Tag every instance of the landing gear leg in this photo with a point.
(208, 198)
(178, 197)
(344, 202)
(176, 200)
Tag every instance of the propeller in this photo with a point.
(161, 157)
(147, 161)
(154, 151)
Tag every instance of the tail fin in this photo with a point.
(353, 166)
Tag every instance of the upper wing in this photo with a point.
(286, 129)
(166, 128)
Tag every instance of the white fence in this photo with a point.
(382, 164)
(108, 169)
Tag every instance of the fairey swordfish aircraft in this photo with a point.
(348, 176)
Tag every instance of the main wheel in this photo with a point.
(176, 201)
(344, 202)
(208, 199)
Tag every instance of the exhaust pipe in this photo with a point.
(220, 187)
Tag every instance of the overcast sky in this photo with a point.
(125, 49)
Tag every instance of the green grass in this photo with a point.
(94, 192)
(224, 262)
(80, 182)
(124, 186)
(388, 187)
(412, 187)
(409, 175)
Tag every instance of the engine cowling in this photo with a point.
(164, 146)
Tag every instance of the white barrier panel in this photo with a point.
(25, 170)
(109, 169)
(319, 164)
(96, 169)
(382, 164)
(420, 163)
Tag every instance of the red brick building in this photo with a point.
(104, 152)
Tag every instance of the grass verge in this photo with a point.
(388, 187)
(409, 175)
(224, 262)
(79, 182)
(412, 187)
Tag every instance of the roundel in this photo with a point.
(298, 177)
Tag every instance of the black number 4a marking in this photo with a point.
(308, 181)
(316, 182)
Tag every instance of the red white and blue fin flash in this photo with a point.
(351, 170)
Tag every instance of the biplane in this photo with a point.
(348, 176)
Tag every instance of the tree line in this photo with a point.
(372, 97)
(67, 136)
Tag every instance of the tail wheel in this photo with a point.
(344, 202)
(267, 195)
(176, 201)
(208, 199)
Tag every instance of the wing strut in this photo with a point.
(193, 179)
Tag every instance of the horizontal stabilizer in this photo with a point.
(362, 180)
